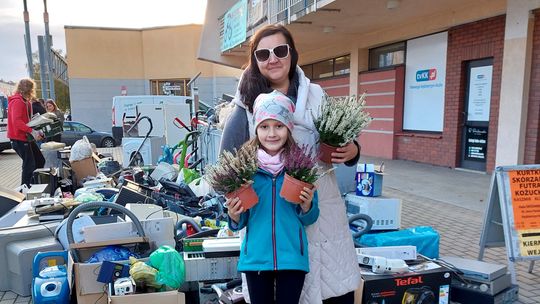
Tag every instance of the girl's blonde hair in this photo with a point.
(27, 88)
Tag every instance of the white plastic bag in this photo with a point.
(81, 149)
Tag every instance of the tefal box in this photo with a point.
(425, 283)
(369, 180)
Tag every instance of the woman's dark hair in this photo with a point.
(253, 82)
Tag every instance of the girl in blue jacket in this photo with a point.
(274, 253)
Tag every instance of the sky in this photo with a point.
(98, 13)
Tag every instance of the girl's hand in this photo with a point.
(345, 153)
(234, 207)
(307, 196)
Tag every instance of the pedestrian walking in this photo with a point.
(274, 254)
(334, 272)
(19, 114)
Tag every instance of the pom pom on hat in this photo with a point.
(275, 106)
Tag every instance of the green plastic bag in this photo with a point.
(189, 175)
(170, 266)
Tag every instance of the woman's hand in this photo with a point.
(306, 196)
(234, 207)
(345, 153)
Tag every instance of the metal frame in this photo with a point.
(500, 208)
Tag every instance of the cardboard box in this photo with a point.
(369, 180)
(88, 290)
(165, 297)
(430, 283)
(84, 168)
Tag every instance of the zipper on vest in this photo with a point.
(274, 222)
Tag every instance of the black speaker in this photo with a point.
(134, 193)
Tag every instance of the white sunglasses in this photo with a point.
(280, 51)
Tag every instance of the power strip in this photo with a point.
(390, 252)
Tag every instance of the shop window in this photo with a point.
(323, 69)
(308, 70)
(328, 68)
(172, 87)
(387, 56)
(342, 65)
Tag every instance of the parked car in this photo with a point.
(74, 131)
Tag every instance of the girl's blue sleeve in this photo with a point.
(238, 226)
(312, 215)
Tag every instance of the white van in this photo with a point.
(4, 141)
(124, 109)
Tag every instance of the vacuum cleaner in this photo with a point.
(50, 285)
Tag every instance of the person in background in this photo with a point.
(38, 106)
(52, 108)
(334, 273)
(19, 114)
(275, 261)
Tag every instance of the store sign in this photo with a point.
(424, 83)
(426, 75)
(234, 26)
(476, 143)
(168, 88)
(479, 93)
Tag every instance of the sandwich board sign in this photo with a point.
(512, 217)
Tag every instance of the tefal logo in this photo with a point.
(409, 281)
(426, 75)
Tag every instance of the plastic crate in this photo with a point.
(49, 130)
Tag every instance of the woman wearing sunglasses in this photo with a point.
(334, 272)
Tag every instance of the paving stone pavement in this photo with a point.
(457, 217)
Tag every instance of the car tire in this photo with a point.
(108, 143)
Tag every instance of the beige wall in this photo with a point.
(104, 53)
(154, 53)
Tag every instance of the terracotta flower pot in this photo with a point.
(291, 189)
(325, 152)
(246, 194)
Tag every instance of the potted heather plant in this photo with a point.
(301, 171)
(232, 175)
(340, 121)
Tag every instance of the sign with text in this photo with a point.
(525, 190)
(234, 26)
(514, 206)
(424, 83)
(476, 143)
(479, 93)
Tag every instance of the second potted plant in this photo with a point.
(301, 171)
(340, 121)
(232, 175)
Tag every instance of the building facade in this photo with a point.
(7, 88)
(448, 83)
(108, 62)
